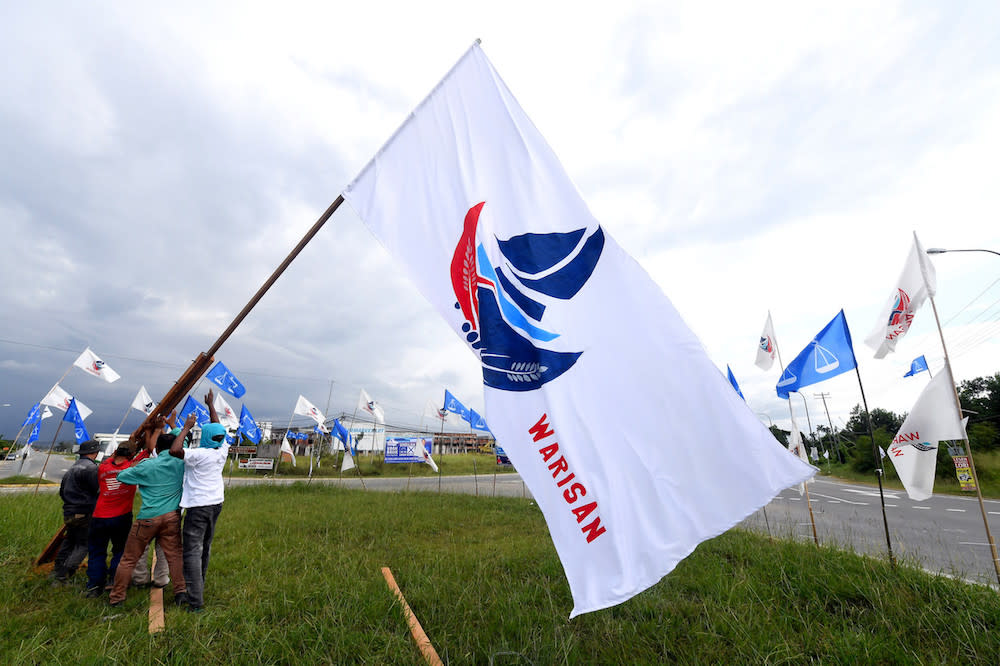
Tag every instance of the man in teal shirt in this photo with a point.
(160, 481)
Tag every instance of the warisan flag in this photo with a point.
(366, 404)
(227, 416)
(58, 398)
(567, 328)
(305, 408)
(767, 347)
(92, 365)
(915, 284)
(934, 418)
(143, 402)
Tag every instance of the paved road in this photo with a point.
(942, 534)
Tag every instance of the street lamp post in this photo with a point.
(940, 250)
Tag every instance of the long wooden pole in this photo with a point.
(878, 466)
(201, 364)
(47, 456)
(968, 449)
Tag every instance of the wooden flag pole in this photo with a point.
(968, 449)
(878, 467)
(200, 365)
(40, 404)
(47, 455)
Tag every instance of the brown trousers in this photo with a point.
(166, 528)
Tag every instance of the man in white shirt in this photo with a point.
(202, 500)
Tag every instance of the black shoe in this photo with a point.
(181, 599)
(116, 604)
(140, 586)
(195, 609)
(58, 581)
(93, 592)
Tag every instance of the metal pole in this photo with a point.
(42, 473)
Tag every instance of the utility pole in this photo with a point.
(823, 397)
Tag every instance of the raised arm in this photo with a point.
(177, 448)
(210, 401)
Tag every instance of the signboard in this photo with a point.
(243, 450)
(964, 472)
(257, 463)
(502, 458)
(404, 449)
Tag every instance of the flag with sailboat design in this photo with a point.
(829, 354)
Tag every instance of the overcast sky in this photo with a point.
(160, 161)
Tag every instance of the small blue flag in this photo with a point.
(477, 422)
(732, 380)
(919, 365)
(828, 355)
(73, 416)
(225, 380)
(340, 432)
(230, 440)
(34, 415)
(452, 404)
(192, 405)
(248, 426)
(33, 437)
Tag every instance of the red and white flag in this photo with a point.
(227, 416)
(915, 284)
(934, 418)
(306, 408)
(566, 328)
(92, 365)
(58, 398)
(767, 348)
(143, 402)
(366, 404)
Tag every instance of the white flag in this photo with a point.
(913, 451)
(143, 402)
(567, 328)
(306, 408)
(92, 365)
(915, 284)
(366, 404)
(286, 449)
(47, 413)
(227, 416)
(797, 447)
(59, 399)
(767, 348)
(348, 461)
(420, 451)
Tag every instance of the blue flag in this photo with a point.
(225, 380)
(192, 405)
(33, 437)
(340, 432)
(452, 404)
(34, 415)
(248, 426)
(732, 380)
(73, 416)
(477, 422)
(919, 365)
(828, 355)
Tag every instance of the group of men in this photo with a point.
(98, 502)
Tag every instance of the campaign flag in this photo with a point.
(34, 415)
(305, 408)
(73, 416)
(366, 404)
(143, 402)
(227, 416)
(248, 426)
(919, 364)
(913, 451)
(732, 380)
(767, 348)
(226, 380)
(567, 328)
(477, 422)
(828, 355)
(797, 447)
(286, 450)
(342, 434)
(59, 399)
(48, 412)
(33, 437)
(915, 284)
(92, 365)
(454, 405)
(420, 451)
(192, 405)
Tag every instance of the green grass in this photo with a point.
(458, 464)
(295, 578)
(24, 481)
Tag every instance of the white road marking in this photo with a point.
(957, 510)
(994, 513)
(892, 505)
(971, 543)
(840, 499)
(868, 493)
(922, 508)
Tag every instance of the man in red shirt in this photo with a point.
(112, 518)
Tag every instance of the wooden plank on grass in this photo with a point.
(423, 643)
(156, 622)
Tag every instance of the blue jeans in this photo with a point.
(199, 529)
(103, 531)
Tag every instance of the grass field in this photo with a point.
(295, 578)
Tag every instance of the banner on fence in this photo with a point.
(404, 449)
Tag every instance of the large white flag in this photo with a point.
(767, 348)
(568, 328)
(48, 412)
(420, 451)
(227, 416)
(915, 284)
(934, 418)
(286, 450)
(92, 365)
(306, 408)
(798, 448)
(366, 404)
(348, 461)
(143, 402)
(58, 398)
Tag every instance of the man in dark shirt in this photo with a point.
(78, 490)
